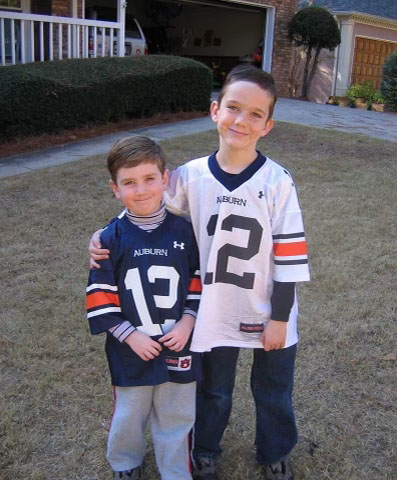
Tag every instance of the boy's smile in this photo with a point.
(140, 188)
(243, 116)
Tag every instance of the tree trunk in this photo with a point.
(313, 70)
(305, 89)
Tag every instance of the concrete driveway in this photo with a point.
(353, 120)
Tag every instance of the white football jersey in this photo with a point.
(250, 232)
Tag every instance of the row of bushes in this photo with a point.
(50, 96)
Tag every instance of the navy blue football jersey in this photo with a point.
(149, 279)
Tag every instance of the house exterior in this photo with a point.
(45, 30)
(368, 34)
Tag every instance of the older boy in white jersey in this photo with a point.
(248, 224)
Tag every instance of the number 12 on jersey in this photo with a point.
(221, 274)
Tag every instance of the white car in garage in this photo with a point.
(134, 41)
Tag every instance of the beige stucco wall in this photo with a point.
(321, 88)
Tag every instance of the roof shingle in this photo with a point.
(380, 8)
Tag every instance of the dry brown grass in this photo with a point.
(55, 392)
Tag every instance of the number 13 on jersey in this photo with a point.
(133, 283)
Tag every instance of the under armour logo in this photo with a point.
(261, 194)
(179, 245)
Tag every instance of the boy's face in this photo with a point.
(140, 188)
(242, 116)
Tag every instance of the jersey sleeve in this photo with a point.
(175, 197)
(102, 297)
(193, 295)
(195, 287)
(289, 241)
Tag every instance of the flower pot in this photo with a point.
(361, 103)
(333, 100)
(344, 102)
(378, 107)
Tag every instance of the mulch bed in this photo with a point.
(41, 142)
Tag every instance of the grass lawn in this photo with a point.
(55, 394)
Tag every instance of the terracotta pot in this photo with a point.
(378, 107)
(361, 103)
(344, 102)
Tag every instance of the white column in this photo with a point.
(268, 39)
(344, 58)
(121, 8)
(75, 34)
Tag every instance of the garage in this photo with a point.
(218, 33)
(369, 57)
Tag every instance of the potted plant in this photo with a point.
(361, 95)
(378, 104)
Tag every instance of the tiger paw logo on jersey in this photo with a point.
(179, 245)
(185, 363)
(179, 364)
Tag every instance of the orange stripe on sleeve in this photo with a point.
(101, 298)
(195, 285)
(289, 249)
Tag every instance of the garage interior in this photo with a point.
(218, 33)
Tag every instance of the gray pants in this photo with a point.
(171, 409)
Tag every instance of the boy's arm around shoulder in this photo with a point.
(95, 248)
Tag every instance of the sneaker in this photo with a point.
(204, 469)
(134, 474)
(278, 471)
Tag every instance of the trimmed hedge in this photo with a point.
(47, 97)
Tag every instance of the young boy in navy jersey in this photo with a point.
(145, 297)
(248, 224)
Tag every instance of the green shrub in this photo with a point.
(378, 98)
(365, 91)
(388, 85)
(47, 97)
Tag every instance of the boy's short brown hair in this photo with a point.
(249, 73)
(132, 151)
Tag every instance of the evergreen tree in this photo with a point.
(388, 85)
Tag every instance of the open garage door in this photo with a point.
(218, 33)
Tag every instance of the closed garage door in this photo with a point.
(369, 57)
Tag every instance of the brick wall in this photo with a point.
(282, 48)
(63, 8)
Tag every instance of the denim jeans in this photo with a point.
(272, 378)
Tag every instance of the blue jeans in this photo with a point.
(272, 378)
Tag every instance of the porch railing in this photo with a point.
(28, 38)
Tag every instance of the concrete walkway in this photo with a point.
(373, 124)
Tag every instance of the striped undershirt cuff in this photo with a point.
(122, 330)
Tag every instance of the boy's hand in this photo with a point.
(177, 337)
(95, 250)
(143, 345)
(274, 335)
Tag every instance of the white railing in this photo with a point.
(30, 38)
